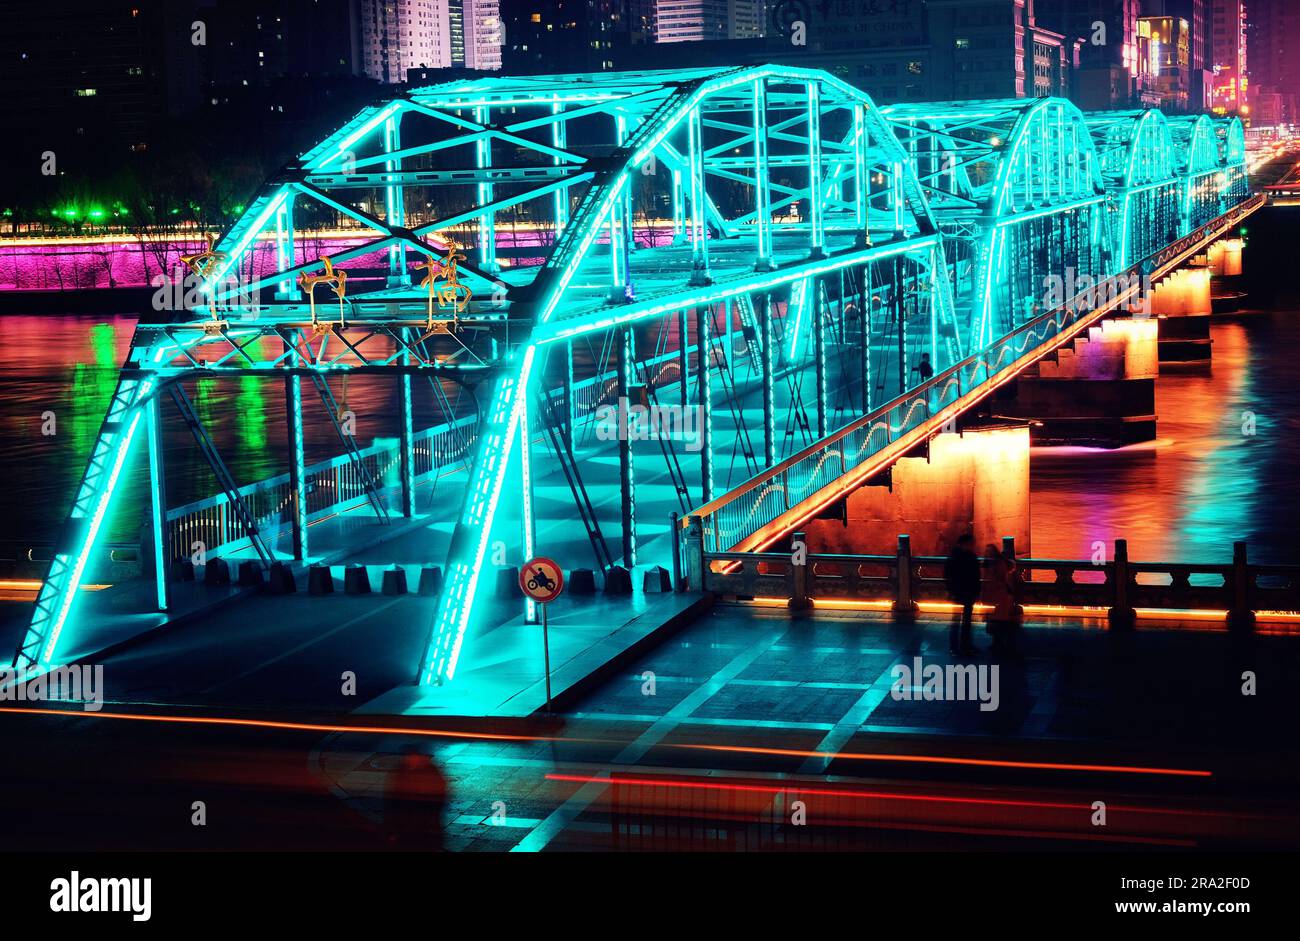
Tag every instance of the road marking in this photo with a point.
(569, 811)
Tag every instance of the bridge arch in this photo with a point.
(1139, 164)
(1016, 184)
(1197, 151)
(1231, 138)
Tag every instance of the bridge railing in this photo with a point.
(744, 512)
(335, 485)
(331, 486)
(1235, 590)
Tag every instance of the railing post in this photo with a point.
(406, 440)
(676, 530)
(798, 573)
(1240, 615)
(1121, 614)
(904, 605)
(695, 553)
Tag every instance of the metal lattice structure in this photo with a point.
(500, 223)
(1017, 186)
(1139, 165)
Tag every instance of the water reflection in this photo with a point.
(1207, 481)
(1186, 497)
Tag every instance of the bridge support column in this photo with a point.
(695, 553)
(626, 471)
(768, 378)
(976, 481)
(297, 464)
(1100, 391)
(798, 574)
(904, 603)
(819, 355)
(684, 355)
(395, 203)
(864, 339)
(567, 430)
(406, 442)
(704, 341)
(158, 505)
(1182, 302)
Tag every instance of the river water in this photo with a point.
(1223, 468)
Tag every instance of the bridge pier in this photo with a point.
(973, 481)
(1099, 391)
(1182, 302)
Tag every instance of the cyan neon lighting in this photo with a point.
(253, 230)
(157, 503)
(794, 313)
(529, 520)
(568, 329)
(815, 217)
(358, 135)
(58, 594)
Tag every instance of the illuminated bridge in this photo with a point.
(762, 246)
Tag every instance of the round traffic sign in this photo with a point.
(541, 579)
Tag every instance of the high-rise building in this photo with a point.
(560, 36)
(691, 20)
(705, 20)
(1200, 74)
(1168, 50)
(1274, 66)
(95, 78)
(482, 34)
(397, 36)
(1230, 93)
(1114, 60)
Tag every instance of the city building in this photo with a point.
(1274, 67)
(1230, 92)
(1114, 61)
(397, 36)
(704, 20)
(560, 36)
(1200, 70)
(98, 78)
(1167, 41)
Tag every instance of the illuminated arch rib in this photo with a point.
(827, 186)
(1139, 164)
(1231, 140)
(1197, 151)
(1010, 181)
(760, 128)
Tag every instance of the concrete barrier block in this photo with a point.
(216, 572)
(280, 579)
(394, 581)
(582, 582)
(319, 580)
(431, 581)
(356, 580)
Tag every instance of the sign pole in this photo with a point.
(546, 651)
(541, 579)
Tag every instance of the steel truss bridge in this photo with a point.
(762, 244)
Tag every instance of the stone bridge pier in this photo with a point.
(1097, 391)
(972, 480)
